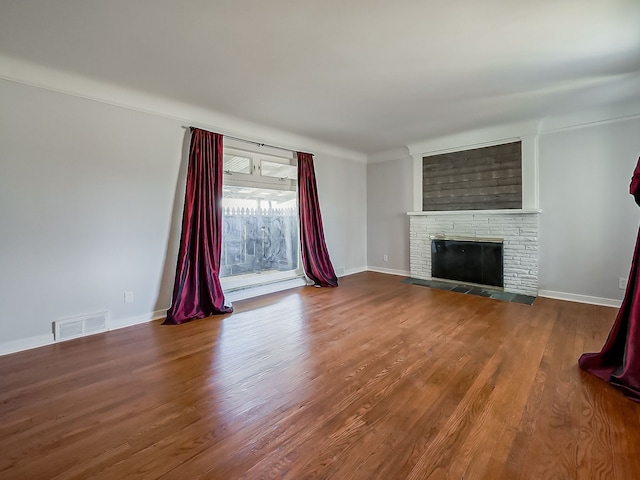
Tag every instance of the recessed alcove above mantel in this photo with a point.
(518, 229)
(465, 196)
(476, 177)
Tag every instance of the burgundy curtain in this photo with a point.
(197, 292)
(315, 256)
(619, 360)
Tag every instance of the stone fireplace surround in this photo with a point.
(518, 229)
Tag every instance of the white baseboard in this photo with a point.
(137, 320)
(353, 271)
(574, 297)
(390, 271)
(41, 340)
(26, 344)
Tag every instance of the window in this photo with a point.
(260, 241)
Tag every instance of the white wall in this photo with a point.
(86, 195)
(589, 221)
(342, 192)
(90, 204)
(389, 198)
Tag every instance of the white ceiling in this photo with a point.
(363, 75)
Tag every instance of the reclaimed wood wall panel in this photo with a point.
(487, 178)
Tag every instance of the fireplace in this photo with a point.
(468, 260)
(518, 230)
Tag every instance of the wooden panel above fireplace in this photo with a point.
(487, 178)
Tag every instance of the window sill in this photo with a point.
(237, 293)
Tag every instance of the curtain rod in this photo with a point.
(191, 128)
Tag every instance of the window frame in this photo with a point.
(255, 179)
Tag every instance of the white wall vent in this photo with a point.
(81, 326)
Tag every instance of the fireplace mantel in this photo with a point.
(478, 212)
(518, 227)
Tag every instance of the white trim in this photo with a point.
(590, 118)
(478, 138)
(242, 149)
(574, 297)
(417, 181)
(255, 178)
(265, 289)
(273, 287)
(389, 271)
(27, 343)
(137, 320)
(251, 280)
(530, 168)
(393, 155)
(473, 146)
(511, 211)
(353, 271)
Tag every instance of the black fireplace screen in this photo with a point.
(467, 261)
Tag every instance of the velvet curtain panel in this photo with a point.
(619, 360)
(315, 256)
(197, 292)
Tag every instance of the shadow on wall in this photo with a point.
(163, 302)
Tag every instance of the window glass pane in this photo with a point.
(236, 164)
(279, 170)
(260, 231)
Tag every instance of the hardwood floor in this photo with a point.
(373, 380)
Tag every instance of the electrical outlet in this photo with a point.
(622, 283)
(128, 297)
(385, 257)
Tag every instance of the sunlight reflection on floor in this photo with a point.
(258, 373)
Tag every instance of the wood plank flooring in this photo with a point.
(373, 380)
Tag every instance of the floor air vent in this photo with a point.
(75, 327)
